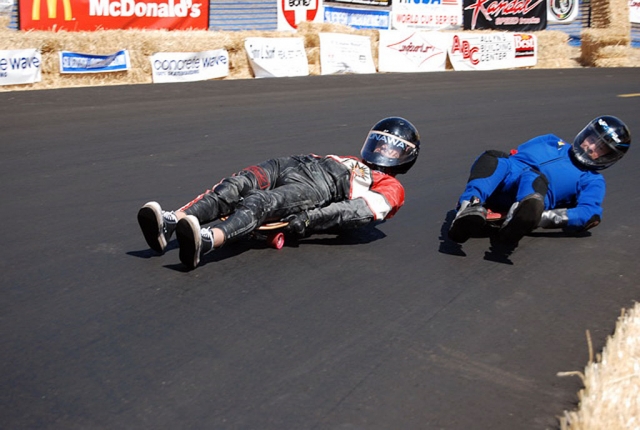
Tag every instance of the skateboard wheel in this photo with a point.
(277, 241)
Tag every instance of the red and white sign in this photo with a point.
(490, 51)
(293, 12)
(91, 15)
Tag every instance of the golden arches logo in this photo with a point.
(52, 10)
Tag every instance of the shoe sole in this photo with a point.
(524, 220)
(150, 221)
(188, 235)
(464, 227)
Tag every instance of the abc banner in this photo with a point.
(91, 15)
(492, 51)
(505, 15)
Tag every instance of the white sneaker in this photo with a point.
(193, 240)
(157, 225)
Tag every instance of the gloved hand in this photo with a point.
(554, 218)
(298, 224)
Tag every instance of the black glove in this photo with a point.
(298, 224)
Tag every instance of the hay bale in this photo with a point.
(554, 51)
(604, 46)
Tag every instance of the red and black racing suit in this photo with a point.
(336, 192)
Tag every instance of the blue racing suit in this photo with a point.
(543, 165)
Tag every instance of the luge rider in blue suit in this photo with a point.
(545, 183)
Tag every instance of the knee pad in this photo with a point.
(486, 164)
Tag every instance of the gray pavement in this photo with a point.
(390, 327)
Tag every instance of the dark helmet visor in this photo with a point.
(385, 149)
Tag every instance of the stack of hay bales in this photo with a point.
(608, 41)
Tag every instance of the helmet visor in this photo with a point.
(597, 147)
(385, 149)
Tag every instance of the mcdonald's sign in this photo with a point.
(91, 15)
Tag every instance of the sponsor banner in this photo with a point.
(345, 53)
(505, 15)
(358, 18)
(277, 57)
(189, 66)
(427, 14)
(562, 11)
(366, 2)
(492, 51)
(293, 12)
(413, 51)
(91, 15)
(634, 11)
(73, 62)
(20, 66)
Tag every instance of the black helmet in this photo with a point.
(601, 143)
(392, 146)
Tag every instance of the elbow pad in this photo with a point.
(554, 218)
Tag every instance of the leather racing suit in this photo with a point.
(336, 192)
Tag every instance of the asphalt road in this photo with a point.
(390, 327)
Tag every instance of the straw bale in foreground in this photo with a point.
(611, 397)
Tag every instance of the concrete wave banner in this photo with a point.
(189, 66)
(20, 66)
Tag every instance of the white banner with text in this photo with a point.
(20, 66)
(275, 57)
(189, 66)
(345, 53)
(413, 51)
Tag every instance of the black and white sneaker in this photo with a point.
(470, 219)
(523, 217)
(193, 240)
(157, 225)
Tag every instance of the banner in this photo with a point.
(293, 12)
(345, 53)
(413, 51)
(427, 14)
(20, 66)
(562, 11)
(492, 51)
(366, 2)
(277, 57)
(189, 66)
(505, 15)
(634, 11)
(358, 18)
(73, 62)
(91, 15)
